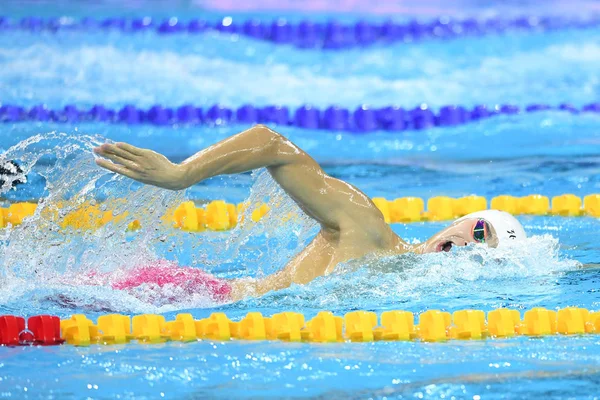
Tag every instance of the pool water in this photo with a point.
(549, 153)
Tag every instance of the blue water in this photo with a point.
(548, 153)
(211, 68)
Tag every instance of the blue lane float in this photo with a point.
(309, 34)
(361, 120)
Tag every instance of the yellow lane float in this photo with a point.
(355, 326)
(221, 216)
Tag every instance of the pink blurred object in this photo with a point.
(190, 280)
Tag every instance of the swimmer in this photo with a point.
(351, 225)
(11, 174)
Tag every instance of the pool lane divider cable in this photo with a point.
(362, 120)
(325, 327)
(221, 216)
(310, 34)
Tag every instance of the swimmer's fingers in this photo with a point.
(136, 151)
(119, 169)
(143, 165)
(108, 149)
(117, 159)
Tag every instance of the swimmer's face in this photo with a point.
(462, 233)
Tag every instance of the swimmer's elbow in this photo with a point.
(267, 133)
(282, 150)
(272, 143)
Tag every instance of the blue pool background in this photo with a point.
(548, 153)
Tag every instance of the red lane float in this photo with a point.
(42, 330)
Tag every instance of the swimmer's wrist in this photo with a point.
(192, 171)
(182, 173)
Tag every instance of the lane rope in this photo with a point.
(309, 34)
(363, 119)
(325, 327)
(221, 216)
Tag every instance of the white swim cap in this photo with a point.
(506, 226)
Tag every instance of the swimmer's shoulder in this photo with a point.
(370, 233)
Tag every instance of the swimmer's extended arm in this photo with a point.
(335, 204)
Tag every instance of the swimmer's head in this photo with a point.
(11, 174)
(492, 227)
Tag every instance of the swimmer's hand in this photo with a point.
(143, 165)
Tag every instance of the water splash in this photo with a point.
(468, 277)
(79, 268)
(42, 251)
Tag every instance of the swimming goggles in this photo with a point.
(480, 230)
